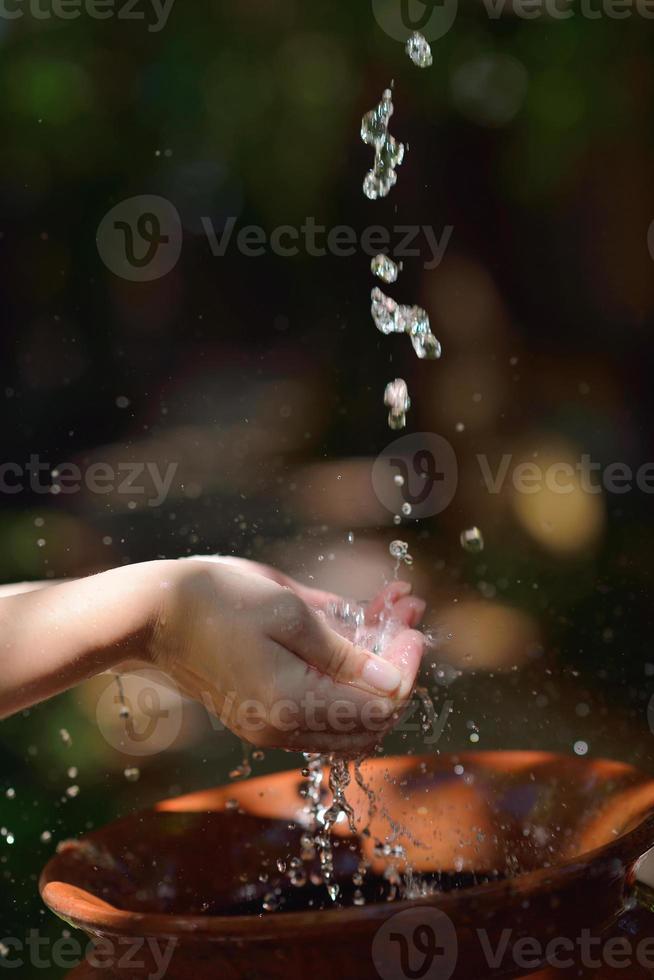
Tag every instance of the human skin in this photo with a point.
(236, 635)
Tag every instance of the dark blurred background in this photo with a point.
(261, 378)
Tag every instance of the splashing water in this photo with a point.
(389, 154)
(124, 710)
(349, 620)
(396, 399)
(472, 540)
(390, 317)
(419, 50)
(385, 268)
(399, 550)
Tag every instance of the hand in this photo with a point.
(254, 646)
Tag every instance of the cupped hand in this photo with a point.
(254, 646)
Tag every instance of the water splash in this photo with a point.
(396, 399)
(399, 550)
(389, 154)
(390, 317)
(472, 540)
(419, 50)
(124, 710)
(385, 268)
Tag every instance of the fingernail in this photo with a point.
(418, 607)
(381, 675)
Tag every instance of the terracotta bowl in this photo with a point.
(520, 845)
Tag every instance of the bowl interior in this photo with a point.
(461, 820)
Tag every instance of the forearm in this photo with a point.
(52, 639)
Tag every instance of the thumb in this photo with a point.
(330, 653)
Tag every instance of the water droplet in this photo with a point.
(334, 891)
(46, 836)
(72, 791)
(419, 50)
(396, 399)
(385, 268)
(64, 735)
(407, 510)
(400, 551)
(11, 793)
(389, 154)
(390, 317)
(242, 771)
(398, 480)
(472, 540)
(581, 747)
(270, 902)
(132, 774)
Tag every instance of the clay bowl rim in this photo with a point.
(91, 914)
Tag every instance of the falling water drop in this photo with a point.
(390, 317)
(389, 154)
(419, 50)
(384, 268)
(472, 540)
(396, 399)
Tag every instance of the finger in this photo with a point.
(296, 627)
(386, 599)
(405, 655)
(408, 611)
